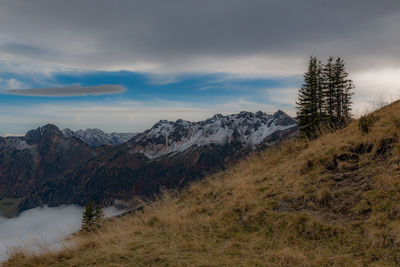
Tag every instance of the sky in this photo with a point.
(123, 65)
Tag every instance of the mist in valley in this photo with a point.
(42, 229)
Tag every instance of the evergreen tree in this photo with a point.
(91, 218)
(329, 89)
(99, 216)
(308, 103)
(320, 94)
(343, 93)
(348, 93)
(339, 86)
(320, 90)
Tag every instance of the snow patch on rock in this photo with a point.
(247, 128)
(96, 137)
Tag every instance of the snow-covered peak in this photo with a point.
(247, 128)
(96, 137)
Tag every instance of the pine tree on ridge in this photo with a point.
(324, 99)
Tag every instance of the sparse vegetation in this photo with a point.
(333, 201)
(365, 123)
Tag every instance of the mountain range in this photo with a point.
(54, 167)
(96, 137)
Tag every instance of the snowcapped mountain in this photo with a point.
(246, 128)
(169, 155)
(53, 167)
(96, 137)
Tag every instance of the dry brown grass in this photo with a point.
(334, 201)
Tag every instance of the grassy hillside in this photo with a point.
(330, 202)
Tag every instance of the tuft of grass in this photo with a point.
(366, 122)
(334, 201)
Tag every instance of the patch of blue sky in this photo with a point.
(142, 87)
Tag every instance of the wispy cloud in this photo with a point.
(14, 83)
(103, 89)
(11, 83)
(285, 96)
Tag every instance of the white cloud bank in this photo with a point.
(42, 229)
(38, 228)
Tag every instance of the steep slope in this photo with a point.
(169, 155)
(96, 137)
(334, 201)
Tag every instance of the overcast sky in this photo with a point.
(123, 65)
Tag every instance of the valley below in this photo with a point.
(38, 230)
(43, 229)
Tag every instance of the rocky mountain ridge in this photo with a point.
(41, 155)
(247, 128)
(48, 167)
(96, 137)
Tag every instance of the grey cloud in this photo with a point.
(103, 89)
(23, 49)
(174, 34)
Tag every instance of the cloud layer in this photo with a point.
(40, 229)
(103, 89)
(236, 36)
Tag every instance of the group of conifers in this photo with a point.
(324, 100)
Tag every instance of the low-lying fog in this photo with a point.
(42, 228)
